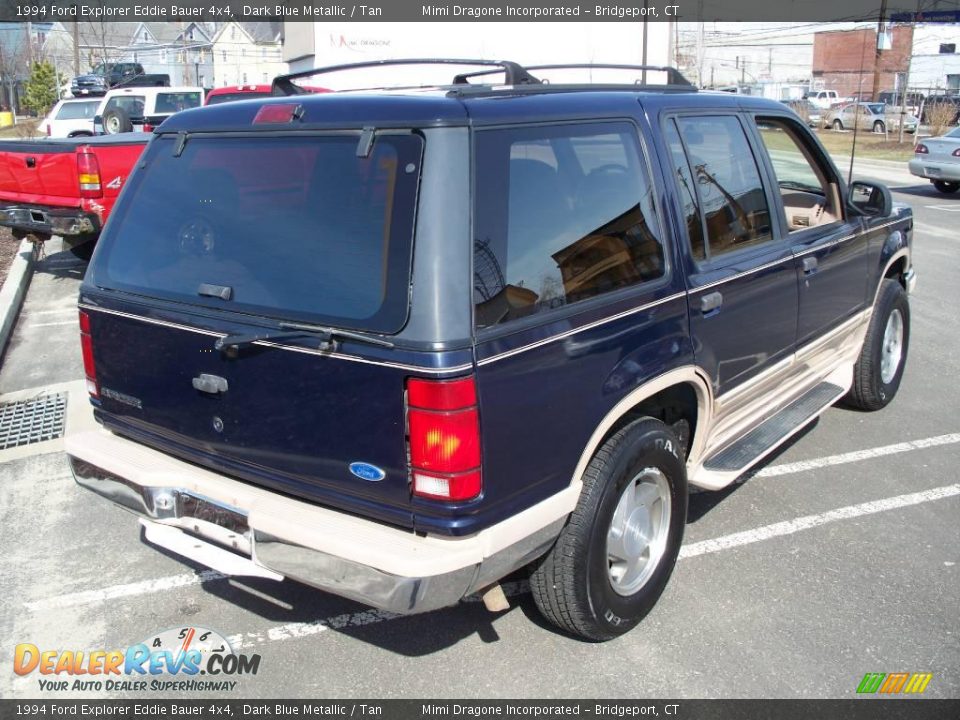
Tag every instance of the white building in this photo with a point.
(935, 64)
(310, 45)
(247, 53)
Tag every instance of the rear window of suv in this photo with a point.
(295, 227)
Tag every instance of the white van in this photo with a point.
(70, 118)
(825, 99)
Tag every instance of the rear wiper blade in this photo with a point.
(326, 335)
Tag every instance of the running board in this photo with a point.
(729, 462)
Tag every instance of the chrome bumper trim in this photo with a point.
(210, 529)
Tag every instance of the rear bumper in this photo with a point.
(66, 222)
(240, 529)
(935, 169)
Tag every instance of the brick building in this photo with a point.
(845, 60)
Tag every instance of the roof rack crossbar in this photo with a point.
(515, 74)
(674, 76)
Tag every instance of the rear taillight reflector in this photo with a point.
(444, 435)
(89, 366)
(921, 149)
(88, 174)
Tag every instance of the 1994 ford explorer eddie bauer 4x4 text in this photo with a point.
(397, 345)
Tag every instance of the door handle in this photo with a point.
(809, 265)
(711, 302)
(212, 384)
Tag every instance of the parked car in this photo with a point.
(399, 344)
(109, 75)
(936, 101)
(938, 160)
(875, 117)
(70, 118)
(808, 112)
(64, 187)
(142, 109)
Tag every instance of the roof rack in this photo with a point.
(514, 73)
(674, 76)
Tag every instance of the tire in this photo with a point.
(879, 369)
(116, 121)
(837, 125)
(946, 187)
(878, 127)
(574, 584)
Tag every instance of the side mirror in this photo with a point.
(871, 198)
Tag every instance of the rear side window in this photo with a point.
(132, 105)
(294, 227)
(77, 111)
(175, 102)
(563, 214)
(727, 181)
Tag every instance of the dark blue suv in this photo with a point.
(400, 344)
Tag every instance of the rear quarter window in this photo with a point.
(297, 227)
(77, 111)
(175, 102)
(563, 214)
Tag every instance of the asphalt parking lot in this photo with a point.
(838, 557)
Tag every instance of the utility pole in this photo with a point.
(876, 61)
(76, 47)
(29, 29)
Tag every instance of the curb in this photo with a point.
(14, 289)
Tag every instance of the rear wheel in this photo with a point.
(614, 557)
(879, 369)
(878, 127)
(946, 187)
(837, 125)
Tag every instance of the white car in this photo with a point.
(70, 118)
(141, 109)
(938, 160)
(825, 99)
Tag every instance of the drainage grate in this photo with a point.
(32, 421)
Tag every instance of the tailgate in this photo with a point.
(291, 419)
(39, 173)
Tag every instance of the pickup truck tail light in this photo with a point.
(444, 435)
(922, 149)
(147, 127)
(88, 174)
(89, 366)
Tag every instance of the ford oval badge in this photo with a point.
(366, 471)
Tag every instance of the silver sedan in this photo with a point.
(877, 117)
(938, 160)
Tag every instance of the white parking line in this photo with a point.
(811, 521)
(856, 456)
(52, 324)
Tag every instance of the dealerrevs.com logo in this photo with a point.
(176, 660)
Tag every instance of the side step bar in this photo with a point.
(749, 449)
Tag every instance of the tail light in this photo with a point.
(147, 127)
(956, 153)
(89, 366)
(444, 428)
(88, 173)
(922, 149)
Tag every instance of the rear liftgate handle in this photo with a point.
(212, 384)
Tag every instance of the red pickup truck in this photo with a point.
(65, 186)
